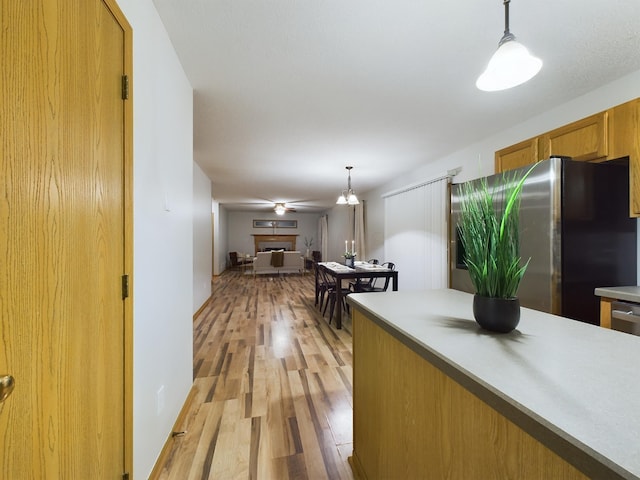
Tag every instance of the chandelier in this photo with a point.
(348, 196)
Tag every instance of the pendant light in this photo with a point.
(348, 196)
(511, 65)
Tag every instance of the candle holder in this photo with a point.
(349, 259)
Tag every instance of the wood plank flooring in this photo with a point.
(273, 388)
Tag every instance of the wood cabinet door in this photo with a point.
(607, 135)
(62, 245)
(624, 141)
(518, 155)
(586, 139)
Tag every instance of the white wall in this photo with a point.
(339, 229)
(202, 238)
(478, 159)
(163, 225)
(240, 230)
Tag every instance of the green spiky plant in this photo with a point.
(489, 231)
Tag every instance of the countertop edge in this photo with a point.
(585, 459)
(626, 293)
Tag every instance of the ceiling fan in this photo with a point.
(275, 206)
(281, 208)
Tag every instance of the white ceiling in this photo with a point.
(289, 92)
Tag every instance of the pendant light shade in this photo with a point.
(511, 65)
(348, 196)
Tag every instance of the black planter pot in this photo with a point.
(496, 314)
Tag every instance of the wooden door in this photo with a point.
(62, 240)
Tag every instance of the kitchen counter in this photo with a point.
(610, 294)
(628, 294)
(571, 386)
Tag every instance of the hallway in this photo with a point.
(273, 383)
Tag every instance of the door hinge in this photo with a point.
(125, 87)
(125, 286)
(125, 476)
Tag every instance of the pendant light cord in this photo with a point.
(506, 17)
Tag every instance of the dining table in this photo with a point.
(360, 270)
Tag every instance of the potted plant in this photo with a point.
(349, 258)
(489, 231)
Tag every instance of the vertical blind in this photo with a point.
(416, 234)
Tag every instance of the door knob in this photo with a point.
(6, 386)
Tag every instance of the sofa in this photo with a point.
(292, 262)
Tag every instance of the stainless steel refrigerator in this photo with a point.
(575, 227)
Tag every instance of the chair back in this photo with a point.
(316, 255)
(365, 283)
(325, 279)
(233, 256)
(391, 266)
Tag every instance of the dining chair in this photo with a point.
(325, 283)
(331, 293)
(373, 288)
(361, 283)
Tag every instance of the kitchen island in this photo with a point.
(435, 396)
(608, 295)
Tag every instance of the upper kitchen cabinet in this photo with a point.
(518, 155)
(623, 130)
(608, 135)
(624, 141)
(586, 139)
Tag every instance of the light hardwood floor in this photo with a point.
(273, 386)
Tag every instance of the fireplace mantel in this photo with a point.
(273, 238)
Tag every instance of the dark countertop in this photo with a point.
(573, 386)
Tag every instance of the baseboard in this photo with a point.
(168, 444)
(356, 468)
(201, 309)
